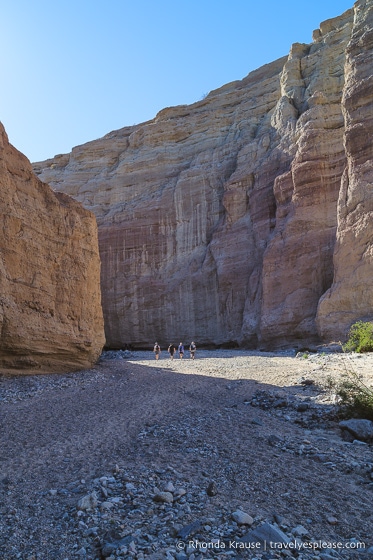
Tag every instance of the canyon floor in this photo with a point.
(138, 458)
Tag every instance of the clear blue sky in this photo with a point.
(73, 70)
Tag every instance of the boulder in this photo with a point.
(359, 428)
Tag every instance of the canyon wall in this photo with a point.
(230, 221)
(350, 297)
(50, 305)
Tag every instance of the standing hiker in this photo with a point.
(171, 351)
(157, 350)
(192, 349)
(181, 350)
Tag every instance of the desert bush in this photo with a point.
(355, 398)
(360, 337)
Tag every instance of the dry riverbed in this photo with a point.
(137, 458)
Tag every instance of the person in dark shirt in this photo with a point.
(192, 349)
(171, 351)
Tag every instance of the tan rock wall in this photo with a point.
(297, 265)
(50, 313)
(350, 298)
(217, 221)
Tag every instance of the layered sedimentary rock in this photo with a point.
(297, 265)
(50, 304)
(350, 297)
(218, 220)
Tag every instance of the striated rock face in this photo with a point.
(226, 221)
(297, 265)
(350, 297)
(50, 306)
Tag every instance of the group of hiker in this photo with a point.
(172, 350)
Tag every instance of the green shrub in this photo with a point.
(355, 398)
(360, 338)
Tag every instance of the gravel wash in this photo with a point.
(235, 454)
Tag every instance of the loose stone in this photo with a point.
(166, 497)
(242, 518)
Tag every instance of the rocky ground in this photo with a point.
(234, 455)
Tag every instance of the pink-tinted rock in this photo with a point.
(350, 298)
(227, 221)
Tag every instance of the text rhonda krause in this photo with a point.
(292, 545)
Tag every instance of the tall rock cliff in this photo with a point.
(350, 297)
(229, 221)
(50, 306)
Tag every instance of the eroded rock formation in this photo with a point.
(50, 307)
(233, 220)
(350, 297)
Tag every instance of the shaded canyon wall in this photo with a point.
(235, 220)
